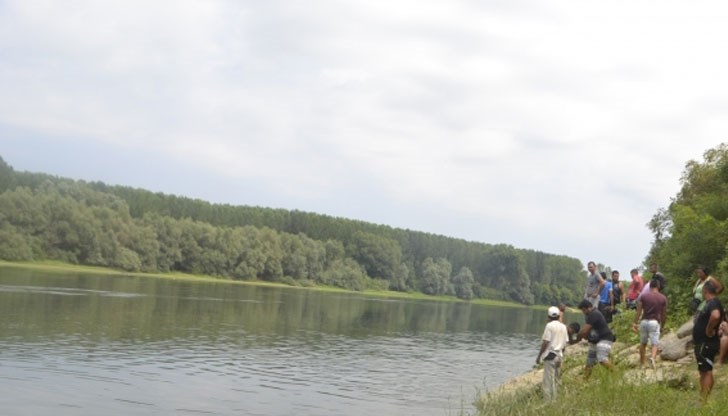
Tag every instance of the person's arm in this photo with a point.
(723, 328)
(637, 315)
(602, 282)
(713, 323)
(611, 299)
(663, 316)
(718, 285)
(573, 334)
(544, 345)
(584, 331)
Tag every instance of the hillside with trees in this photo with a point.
(92, 223)
(693, 229)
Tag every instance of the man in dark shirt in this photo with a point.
(705, 337)
(659, 276)
(652, 309)
(618, 290)
(600, 337)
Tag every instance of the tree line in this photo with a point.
(92, 223)
(693, 229)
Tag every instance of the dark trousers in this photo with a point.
(606, 310)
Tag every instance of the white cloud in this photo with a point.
(562, 125)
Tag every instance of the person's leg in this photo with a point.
(604, 348)
(723, 349)
(557, 369)
(654, 335)
(587, 372)
(644, 337)
(548, 379)
(704, 355)
(706, 384)
(591, 360)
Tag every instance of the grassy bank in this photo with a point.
(59, 267)
(672, 389)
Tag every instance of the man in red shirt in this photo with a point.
(635, 288)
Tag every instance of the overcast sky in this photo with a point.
(559, 126)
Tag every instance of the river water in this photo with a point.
(80, 344)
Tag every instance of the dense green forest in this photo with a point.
(92, 223)
(693, 229)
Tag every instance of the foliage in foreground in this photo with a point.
(625, 391)
(693, 229)
(609, 394)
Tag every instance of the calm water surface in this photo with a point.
(75, 344)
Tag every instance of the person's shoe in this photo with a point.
(652, 363)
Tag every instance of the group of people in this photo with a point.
(602, 298)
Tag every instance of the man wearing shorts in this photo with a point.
(652, 309)
(705, 337)
(600, 337)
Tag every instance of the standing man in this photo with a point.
(600, 337)
(635, 288)
(594, 285)
(606, 299)
(617, 290)
(652, 309)
(705, 337)
(554, 339)
(654, 269)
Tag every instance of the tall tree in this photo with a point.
(463, 283)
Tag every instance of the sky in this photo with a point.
(557, 126)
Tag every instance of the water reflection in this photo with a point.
(79, 344)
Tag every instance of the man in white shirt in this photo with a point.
(554, 339)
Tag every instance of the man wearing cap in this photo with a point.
(554, 339)
(600, 337)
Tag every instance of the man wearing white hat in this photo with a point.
(554, 339)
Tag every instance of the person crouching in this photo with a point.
(600, 337)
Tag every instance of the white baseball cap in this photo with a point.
(554, 312)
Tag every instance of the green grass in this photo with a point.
(606, 393)
(624, 391)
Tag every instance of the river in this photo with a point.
(81, 344)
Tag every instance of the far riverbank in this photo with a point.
(56, 266)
